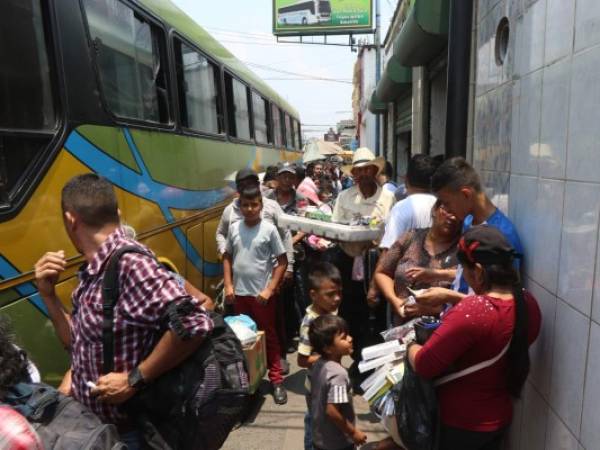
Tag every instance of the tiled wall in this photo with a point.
(536, 141)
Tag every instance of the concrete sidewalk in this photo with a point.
(282, 427)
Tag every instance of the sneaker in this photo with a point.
(279, 394)
(285, 366)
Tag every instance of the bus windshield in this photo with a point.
(25, 86)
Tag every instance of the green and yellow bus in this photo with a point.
(140, 94)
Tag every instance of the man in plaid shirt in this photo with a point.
(147, 344)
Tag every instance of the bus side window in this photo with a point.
(298, 135)
(28, 110)
(131, 61)
(259, 109)
(238, 112)
(269, 112)
(198, 86)
(276, 117)
(289, 132)
(283, 126)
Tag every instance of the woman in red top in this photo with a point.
(476, 409)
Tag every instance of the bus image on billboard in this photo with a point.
(305, 13)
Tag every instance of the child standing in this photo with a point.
(334, 422)
(325, 290)
(251, 278)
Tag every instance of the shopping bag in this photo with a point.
(416, 411)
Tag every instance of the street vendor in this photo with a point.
(365, 199)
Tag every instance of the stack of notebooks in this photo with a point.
(387, 360)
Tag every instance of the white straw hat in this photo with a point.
(364, 157)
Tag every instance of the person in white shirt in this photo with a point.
(415, 210)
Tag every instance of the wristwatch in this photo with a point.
(136, 380)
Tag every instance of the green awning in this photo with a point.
(396, 79)
(376, 105)
(424, 33)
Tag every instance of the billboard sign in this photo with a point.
(318, 17)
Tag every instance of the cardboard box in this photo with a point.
(256, 360)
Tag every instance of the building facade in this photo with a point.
(535, 140)
(411, 94)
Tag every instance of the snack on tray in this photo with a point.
(318, 215)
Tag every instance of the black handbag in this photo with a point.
(416, 411)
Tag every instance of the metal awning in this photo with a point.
(396, 79)
(376, 105)
(424, 33)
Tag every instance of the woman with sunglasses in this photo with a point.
(421, 258)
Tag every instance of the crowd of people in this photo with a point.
(443, 238)
(444, 244)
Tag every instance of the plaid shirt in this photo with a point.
(146, 289)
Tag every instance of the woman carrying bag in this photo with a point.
(494, 327)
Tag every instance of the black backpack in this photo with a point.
(61, 422)
(195, 405)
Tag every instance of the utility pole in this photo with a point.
(377, 73)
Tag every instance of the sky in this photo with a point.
(244, 27)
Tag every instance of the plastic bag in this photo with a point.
(416, 411)
(358, 268)
(405, 332)
(242, 319)
(244, 328)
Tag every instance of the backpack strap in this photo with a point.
(110, 296)
(472, 369)
(31, 400)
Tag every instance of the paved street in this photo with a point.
(282, 427)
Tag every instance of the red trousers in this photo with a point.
(265, 317)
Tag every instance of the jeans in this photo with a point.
(308, 441)
(132, 439)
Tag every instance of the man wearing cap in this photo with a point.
(365, 199)
(270, 212)
(286, 195)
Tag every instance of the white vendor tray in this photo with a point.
(330, 230)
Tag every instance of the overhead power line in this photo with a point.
(303, 75)
(264, 44)
(247, 33)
